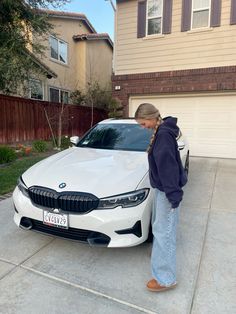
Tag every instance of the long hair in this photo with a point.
(149, 111)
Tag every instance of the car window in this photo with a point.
(130, 137)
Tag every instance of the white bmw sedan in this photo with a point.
(97, 191)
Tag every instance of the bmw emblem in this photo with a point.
(62, 185)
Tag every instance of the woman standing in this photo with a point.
(167, 177)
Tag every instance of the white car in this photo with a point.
(97, 191)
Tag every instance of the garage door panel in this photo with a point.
(208, 121)
(211, 133)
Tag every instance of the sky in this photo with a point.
(99, 13)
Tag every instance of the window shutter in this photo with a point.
(233, 12)
(167, 17)
(141, 28)
(186, 15)
(215, 13)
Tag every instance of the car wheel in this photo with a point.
(186, 166)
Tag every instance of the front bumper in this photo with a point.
(119, 227)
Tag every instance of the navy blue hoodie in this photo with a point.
(165, 167)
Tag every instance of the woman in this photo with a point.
(167, 177)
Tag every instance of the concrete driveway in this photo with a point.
(45, 275)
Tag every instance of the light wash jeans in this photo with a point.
(164, 223)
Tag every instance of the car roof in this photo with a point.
(119, 121)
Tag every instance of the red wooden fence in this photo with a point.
(23, 120)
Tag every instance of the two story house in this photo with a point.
(76, 54)
(180, 56)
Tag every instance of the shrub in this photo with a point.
(40, 146)
(7, 154)
(65, 142)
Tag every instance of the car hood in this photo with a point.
(100, 172)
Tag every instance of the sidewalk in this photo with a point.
(45, 275)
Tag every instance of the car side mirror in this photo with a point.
(74, 140)
(181, 145)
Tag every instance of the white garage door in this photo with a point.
(208, 121)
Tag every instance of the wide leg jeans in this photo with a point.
(164, 224)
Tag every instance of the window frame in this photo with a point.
(42, 86)
(199, 10)
(59, 41)
(60, 94)
(154, 17)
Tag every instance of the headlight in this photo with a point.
(124, 200)
(22, 187)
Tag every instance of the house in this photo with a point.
(76, 54)
(33, 89)
(180, 56)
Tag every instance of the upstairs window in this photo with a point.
(201, 13)
(154, 16)
(58, 49)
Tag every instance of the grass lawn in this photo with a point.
(10, 173)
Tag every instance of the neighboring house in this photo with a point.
(180, 56)
(77, 54)
(38, 81)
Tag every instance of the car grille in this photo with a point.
(70, 233)
(77, 202)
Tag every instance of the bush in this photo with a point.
(7, 154)
(40, 146)
(65, 142)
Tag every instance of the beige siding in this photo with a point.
(178, 50)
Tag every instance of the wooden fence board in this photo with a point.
(24, 120)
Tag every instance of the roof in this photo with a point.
(71, 16)
(42, 65)
(100, 36)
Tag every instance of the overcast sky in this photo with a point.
(99, 13)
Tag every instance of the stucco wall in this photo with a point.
(86, 59)
(69, 75)
(99, 62)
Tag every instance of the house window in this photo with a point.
(58, 49)
(201, 13)
(154, 16)
(36, 89)
(58, 95)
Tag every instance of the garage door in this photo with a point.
(208, 121)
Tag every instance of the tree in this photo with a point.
(99, 97)
(21, 24)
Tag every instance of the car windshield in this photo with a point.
(117, 136)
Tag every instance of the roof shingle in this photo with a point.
(97, 36)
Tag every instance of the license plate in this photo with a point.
(56, 220)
